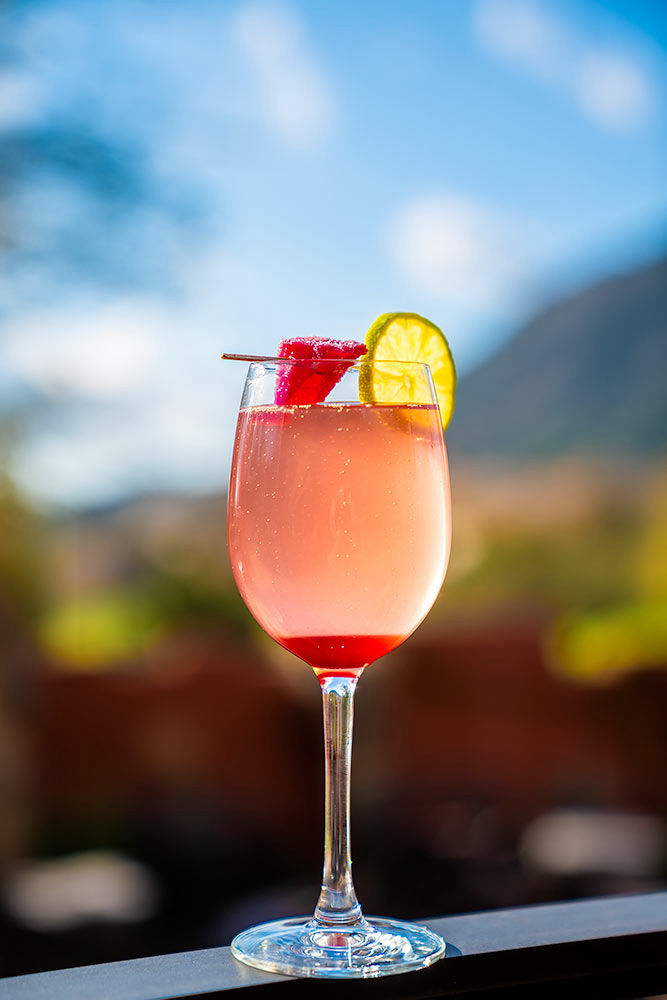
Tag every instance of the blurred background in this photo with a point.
(178, 180)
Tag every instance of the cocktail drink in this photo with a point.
(339, 534)
(339, 527)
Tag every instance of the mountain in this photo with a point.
(588, 375)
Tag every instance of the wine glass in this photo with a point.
(339, 527)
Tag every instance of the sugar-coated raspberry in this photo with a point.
(312, 383)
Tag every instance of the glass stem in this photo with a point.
(337, 903)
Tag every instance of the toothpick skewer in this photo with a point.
(266, 357)
(250, 357)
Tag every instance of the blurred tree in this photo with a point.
(621, 637)
(21, 579)
(651, 559)
(74, 195)
(120, 625)
(21, 597)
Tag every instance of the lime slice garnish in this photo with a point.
(406, 337)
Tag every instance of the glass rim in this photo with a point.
(272, 365)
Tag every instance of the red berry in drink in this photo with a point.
(312, 382)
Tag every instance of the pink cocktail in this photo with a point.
(339, 534)
(339, 526)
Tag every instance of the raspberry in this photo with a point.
(312, 383)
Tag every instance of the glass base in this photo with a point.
(302, 946)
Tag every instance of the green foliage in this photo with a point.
(183, 599)
(581, 565)
(99, 630)
(631, 632)
(598, 647)
(603, 574)
(103, 628)
(21, 585)
(651, 556)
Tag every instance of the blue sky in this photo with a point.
(303, 168)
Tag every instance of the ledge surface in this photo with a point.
(611, 947)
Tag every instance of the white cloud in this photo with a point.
(140, 399)
(455, 249)
(296, 98)
(613, 88)
(21, 99)
(102, 353)
(177, 433)
(175, 441)
(521, 31)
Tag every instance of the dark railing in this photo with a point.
(608, 948)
